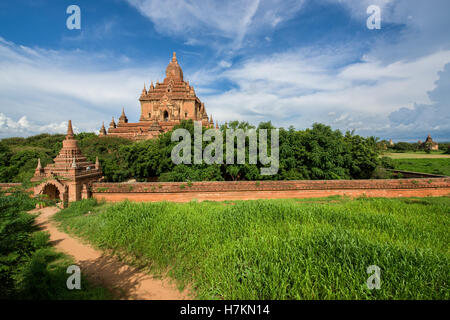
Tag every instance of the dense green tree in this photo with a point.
(361, 155)
(6, 173)
(109, 152)
(315, 153)
(405, 146)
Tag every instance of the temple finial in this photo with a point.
(174, 57)
(70, 129)
(38, 171)
(123, 118)
(103, 130)
(112, 125)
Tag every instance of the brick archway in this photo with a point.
(51, 191)
(53, 188)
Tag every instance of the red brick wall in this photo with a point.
(246, 190)
(7, 186)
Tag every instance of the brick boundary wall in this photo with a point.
(250, 190)
(7, 186)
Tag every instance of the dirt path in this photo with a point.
(125, 282)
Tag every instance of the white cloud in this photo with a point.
(385, 92)
(299, 88)
(422, 26)
(51, 86)
(358, 8)
(224, 64)
(23, 127)
(424, 119)
(232, 20)
(43, 89)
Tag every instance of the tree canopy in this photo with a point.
(315, 153)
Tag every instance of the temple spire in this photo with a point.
(69, 130)
(144, 91)
(39, 169)
(173, 70)
(123, 118)
(103, 130)
(112, 125)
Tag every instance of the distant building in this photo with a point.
(163, 106)
(391, 143)
(429, 141)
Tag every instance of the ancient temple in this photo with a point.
(429, 141)
(163, 106)
(70, 176)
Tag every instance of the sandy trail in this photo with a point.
(125, 282)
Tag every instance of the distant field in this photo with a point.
(280, 249)
(417, 155)
(435, 166)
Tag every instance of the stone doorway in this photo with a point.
(51, 191)
(166, 116)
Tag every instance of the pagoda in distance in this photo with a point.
(163, 106)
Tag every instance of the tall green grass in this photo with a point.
(30, 268)
(280, 249)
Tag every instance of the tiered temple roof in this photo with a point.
(162, 107)
(70, 163)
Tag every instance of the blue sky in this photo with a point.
(291, 62)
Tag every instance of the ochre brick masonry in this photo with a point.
(251, 190)
(5, 187)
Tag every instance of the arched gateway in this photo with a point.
(51, 191)
(70, 176)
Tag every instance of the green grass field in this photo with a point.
(417, 155)
(435, 166)
(280, 249)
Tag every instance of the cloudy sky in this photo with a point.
(291, 62)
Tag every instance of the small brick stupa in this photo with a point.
(70, 176)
